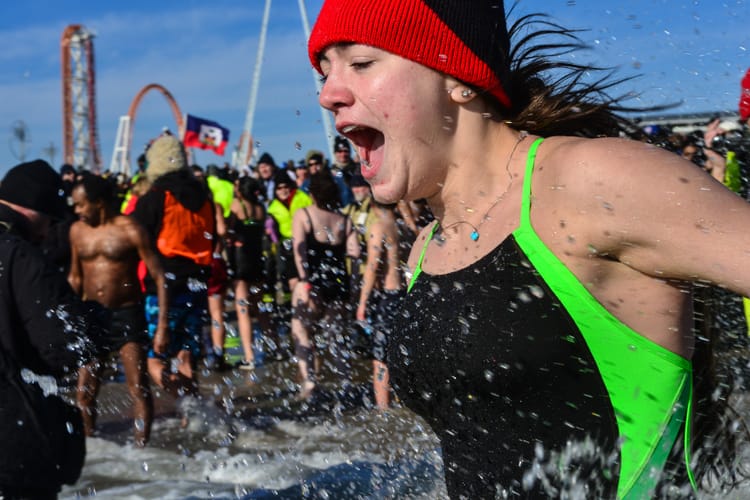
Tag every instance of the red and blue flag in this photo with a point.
(205, 134)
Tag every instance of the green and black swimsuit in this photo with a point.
(512, 360)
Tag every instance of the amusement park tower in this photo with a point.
(80, 138)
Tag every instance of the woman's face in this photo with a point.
(283, 192)
(396, 112)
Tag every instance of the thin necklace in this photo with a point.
(475, 229)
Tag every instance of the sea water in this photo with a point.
(268, 445)
(248, 437)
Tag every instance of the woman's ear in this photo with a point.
(460, 93)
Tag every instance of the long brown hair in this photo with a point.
(553, 96)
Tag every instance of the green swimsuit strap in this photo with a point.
(418, 268)
(650, 410)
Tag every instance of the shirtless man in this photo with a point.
(105, 250)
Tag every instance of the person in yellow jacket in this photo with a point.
(222, 190)
(287, 200)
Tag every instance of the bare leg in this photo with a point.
(218, 328)
(87, 390)
(335, 315)
(302, 314)
(380, 384)
(177, 384)
(244, 321)
(187, 374)
(133, 357)
(157, 368)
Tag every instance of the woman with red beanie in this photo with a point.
(547, 334)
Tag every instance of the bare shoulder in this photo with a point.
(236, 207)
(128, 225)
(76, 229)
(620, 164)
(125, 221)
(378, 228)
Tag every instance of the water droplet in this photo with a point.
(524, 297)
(536, 291)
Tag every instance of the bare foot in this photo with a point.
(306, 389)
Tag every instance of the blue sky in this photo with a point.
(693, 51)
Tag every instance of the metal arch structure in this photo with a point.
(245, 148)
(123, 141)
(80, 136)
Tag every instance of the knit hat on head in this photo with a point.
(166, 154)
(282, 177)
(314, 154)
(745, 97)
(341, 144)
(67, 168)
(466, 40)
(266, 158)
(35, 185)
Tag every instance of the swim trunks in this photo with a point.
(187, 316)
(128, 324)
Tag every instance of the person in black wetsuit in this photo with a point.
(323, 238)
(548, 333)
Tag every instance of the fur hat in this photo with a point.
(466, 40)
(37, 186)
(166, 154)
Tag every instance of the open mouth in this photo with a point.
(366, 140)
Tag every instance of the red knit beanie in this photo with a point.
(465, 40)
(745, 97)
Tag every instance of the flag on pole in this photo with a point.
(205, 134)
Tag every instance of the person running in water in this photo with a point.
(106, 248)
(550, 307)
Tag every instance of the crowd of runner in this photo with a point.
(303, 248)
(299, 255)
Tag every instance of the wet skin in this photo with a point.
(105, 251)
